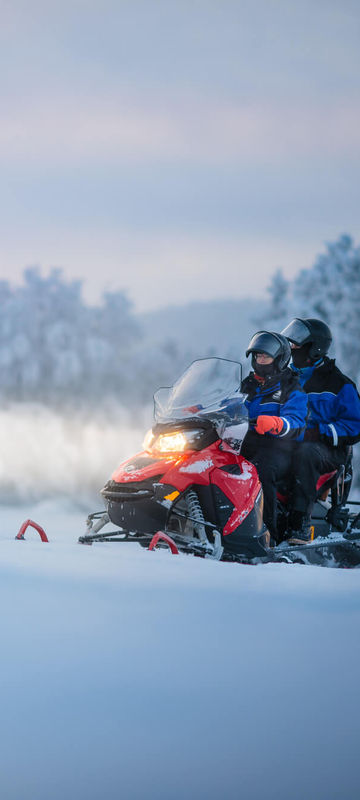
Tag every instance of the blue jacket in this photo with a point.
(334, 404)
(279, 396)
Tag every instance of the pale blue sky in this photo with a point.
(180, 150)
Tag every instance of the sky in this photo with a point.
(177, 149)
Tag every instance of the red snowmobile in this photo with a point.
(192, 490)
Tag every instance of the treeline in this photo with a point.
(329, 290)
(57, 350)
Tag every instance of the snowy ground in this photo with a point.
(132, 674)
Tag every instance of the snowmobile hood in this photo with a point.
(142, 466)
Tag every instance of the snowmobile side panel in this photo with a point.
(196, 468)
(251, 540)
(241, 488)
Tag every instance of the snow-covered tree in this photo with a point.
(279, 293)
(329, 290)
(55, 348)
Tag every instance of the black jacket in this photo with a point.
(334, 404)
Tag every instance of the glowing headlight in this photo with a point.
(171, 443)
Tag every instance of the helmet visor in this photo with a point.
(263, 342)
(297, 332)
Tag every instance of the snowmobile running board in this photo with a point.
(147, 539)
(338, 552)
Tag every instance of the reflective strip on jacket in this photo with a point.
(334, 403)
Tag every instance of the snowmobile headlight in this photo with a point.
(171, 442)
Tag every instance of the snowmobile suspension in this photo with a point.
(197, 515)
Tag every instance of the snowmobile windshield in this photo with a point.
(297, 332)
(210, 388)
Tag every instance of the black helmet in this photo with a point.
(309, 331)
(273, 344)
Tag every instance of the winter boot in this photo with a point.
(299, 531)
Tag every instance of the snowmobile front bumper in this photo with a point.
(141, 507)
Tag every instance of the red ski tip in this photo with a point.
(29, 523)
(159, 536)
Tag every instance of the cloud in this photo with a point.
(97, 130)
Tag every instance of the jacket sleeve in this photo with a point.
(293, 414)
(344, 428)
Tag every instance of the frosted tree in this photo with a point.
(275, 315)
(57, 350)
(329, 290)
(54, 348)
(279, 296)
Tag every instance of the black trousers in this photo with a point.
(310, 460)
(272, 459)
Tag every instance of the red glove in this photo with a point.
(265, 424)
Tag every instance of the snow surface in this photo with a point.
(136, 674)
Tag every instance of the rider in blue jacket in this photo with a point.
(277, 409)
(333, 421)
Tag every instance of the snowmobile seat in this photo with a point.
(338, 482)
(325, 483)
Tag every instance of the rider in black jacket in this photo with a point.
(333, 421)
